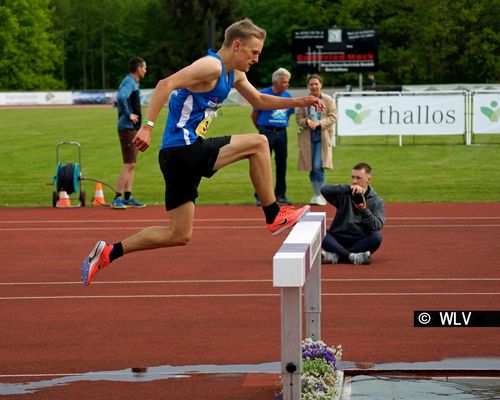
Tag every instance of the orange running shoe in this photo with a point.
(96, 260)
(286, 218)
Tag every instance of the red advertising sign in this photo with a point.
(334, 50)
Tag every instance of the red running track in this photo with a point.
(212, 302)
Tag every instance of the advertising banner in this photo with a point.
(486, 113)
(35, 98)
(97, 97)
(401, 115)
(334, 50)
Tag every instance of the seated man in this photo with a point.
(355, 231)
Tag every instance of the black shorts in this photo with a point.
(184, 166)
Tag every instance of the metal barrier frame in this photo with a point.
(297, 265)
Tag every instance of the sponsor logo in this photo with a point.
(493, 113)
(358, 115)
(417, 115)
(284, 222)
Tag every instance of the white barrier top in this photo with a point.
(294, 259)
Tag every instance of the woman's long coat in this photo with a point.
(327, 120)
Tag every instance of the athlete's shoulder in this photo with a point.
(208, 65)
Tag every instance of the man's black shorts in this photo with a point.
(184, 166)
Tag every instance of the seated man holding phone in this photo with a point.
(355, 231)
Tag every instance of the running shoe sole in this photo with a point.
(91, 262)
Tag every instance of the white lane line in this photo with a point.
(36, 376)
(239, 295)
(119, 221)
(209, 281)
(107, 228)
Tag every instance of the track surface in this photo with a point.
(212, 302)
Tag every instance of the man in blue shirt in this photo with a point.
(196, 92)
(129, 122)
(272, 124)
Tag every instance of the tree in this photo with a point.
(430, 41)
(176, 32)
(28, 51)
(279, 18)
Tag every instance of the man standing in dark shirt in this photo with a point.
(129, 122)
(355, 231)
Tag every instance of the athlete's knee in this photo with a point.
(184, 239)
(181, 237)
(261, 143)
(130, 166)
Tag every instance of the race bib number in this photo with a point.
(202, 128)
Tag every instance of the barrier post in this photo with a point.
(297, 265)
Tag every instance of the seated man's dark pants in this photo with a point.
(343, 245)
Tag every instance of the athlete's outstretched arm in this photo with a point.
(262, 101)
(196, 77)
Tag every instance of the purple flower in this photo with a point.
(312, 350)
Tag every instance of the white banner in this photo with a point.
(379, 114)
(35, 98)
(486, 113)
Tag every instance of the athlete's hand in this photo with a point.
(313, 101)
(142, 140)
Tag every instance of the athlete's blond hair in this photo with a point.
(244, 30)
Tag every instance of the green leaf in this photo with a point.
(352, 114)
(364, 114)
(487, 111)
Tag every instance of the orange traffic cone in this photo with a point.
(99, 195)
(63, 200)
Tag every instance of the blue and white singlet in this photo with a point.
(190, 113)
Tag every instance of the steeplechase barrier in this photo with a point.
(297, 266)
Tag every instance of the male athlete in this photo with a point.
(196, 92)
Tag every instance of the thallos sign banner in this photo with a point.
(381, 114)
(486, 112)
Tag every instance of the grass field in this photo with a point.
(424, 169)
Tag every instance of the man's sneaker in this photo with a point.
(96, 261)
(131, 202)
(329, 258)
(321, 201)
(286, 218)
(361, 258)
(118, 204)
(317, 201)
(283, 201)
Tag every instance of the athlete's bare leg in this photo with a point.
(256, 148)
(177, 233)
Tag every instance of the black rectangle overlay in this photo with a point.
(456, 319)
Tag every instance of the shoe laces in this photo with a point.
(287, 209)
